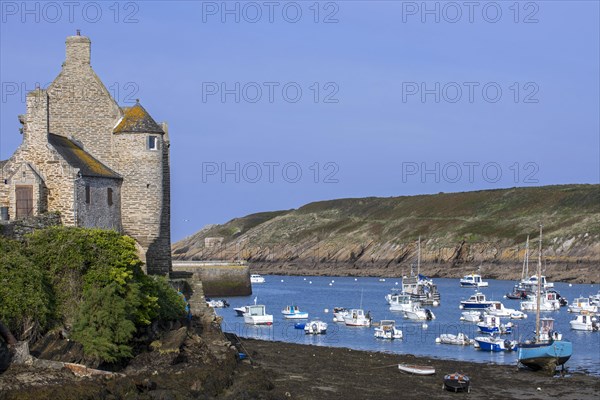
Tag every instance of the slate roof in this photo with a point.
(79, 158)
(137, 120)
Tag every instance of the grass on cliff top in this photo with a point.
(501, 214)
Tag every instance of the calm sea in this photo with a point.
(318, 296)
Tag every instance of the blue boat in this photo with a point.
(495, 344)
(299, 325)
(491, 324)
(476, 302)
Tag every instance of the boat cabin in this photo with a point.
(400, 299)
(256, 310)
(477, 298)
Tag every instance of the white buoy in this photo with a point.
(304, 278)
(310, 282)
(332, 281)
(570, 284)
(436, 303)
(438, 340)
(326, 310)
(330, 284)
(355, 279)
(461, 306)
(424, 326)
(396, 283)
(282, 280)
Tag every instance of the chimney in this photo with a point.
(35, 130)
(79, 49)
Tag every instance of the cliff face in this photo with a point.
(460, 232)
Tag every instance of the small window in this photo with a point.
(109, 194)
(88, 194)
(152, 142)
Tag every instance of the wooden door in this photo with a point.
(24, 201)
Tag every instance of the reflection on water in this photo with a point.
(319, 297)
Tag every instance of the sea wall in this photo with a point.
(219, 278)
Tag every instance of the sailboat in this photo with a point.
(547, 350)
(419, 287)
(520, 291)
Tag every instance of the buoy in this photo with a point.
(539, 389)
(326, 310)
(461, 306)
(570, 284)
(332, 281)
(310, 282)
(330, 284)
(424, 326)
(304, 278)
(436, 303)
(438, 340)
(282, 280)
(355, 279)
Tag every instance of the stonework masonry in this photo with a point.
(93, 162)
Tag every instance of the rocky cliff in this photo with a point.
(460, 233)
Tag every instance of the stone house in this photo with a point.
(98, 164)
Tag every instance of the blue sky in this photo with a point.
(274, 105)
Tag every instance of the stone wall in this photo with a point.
(18, 229)
(98, 213)
(219, 279)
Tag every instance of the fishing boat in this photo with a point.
(595, 299)
(472, 281)
(387, 330)
(315, 327)
(457, 383)
(417, 369)
(418, 313)
(547, 302)
(582, 304)
(476, 302)
(216, 303)
(497, 309)
(495, 344)
(400, 302)
(461, 339)
(534, 279)
(585, 322)
(393, 292)
(546, 350)
(471, 316)
(293, 312)
(419, 287)
(357, 317)
(256, 278)
(257, 315)
(240, 311)
(492, 324)
(340, 313)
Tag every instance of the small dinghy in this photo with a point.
(461, 339)
(457, 383)
(299, 325)
(315, 327)
(471, 316)
(417, 369)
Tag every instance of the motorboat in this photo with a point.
(315, 327)
(240, 311)
(476, 302)
(216, 303)
(471, 316)
(518, 315)
(460, 339)
(595, 299)
(256, 278)
(582, 304)
(495, 344)
(548, 302)
(457, 383)
(417, 369)
(585, 322)
(533, 281)
(418, 313)
(393, 292)
(387, 330)
(472, 281)
(497, 309)
(546, 350)
(340, 313)
(257, 315)
(400, 302)
(293, 312)
(357, 317)
(420, 287)
(492, 324)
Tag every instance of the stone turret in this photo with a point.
(79, 50)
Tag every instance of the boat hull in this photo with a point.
(474, 306)
(416, 369)
(545, 356)
(300, 315)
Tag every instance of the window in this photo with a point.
(109, 194)
(152, 142)
(88, 194)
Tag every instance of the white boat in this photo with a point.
(548, 302)
(496, 344)
(518, 315)
(581, 304)
(420, 287)
(497, 309)
(339, 314)
(585, 322)
(400, 302)
(460, 339)
(472, 281)
(477, 301)
(492, 324)
(240, 311)
(471, 316)
(256, 278)
(387, 330)
(217, 303)
(418, 313)
(257, 315)
(357, 317)
(533, 281)
(293, 312)
(393, 292)
(417, 369)
(315, 327)
(595, 299)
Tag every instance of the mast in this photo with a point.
(525, 272)
(539, 289)
(419, 258)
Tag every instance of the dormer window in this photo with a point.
(153, 142)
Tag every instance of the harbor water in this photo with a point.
(319, 295)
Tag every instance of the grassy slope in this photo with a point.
(505, 215)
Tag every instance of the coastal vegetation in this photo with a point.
(88, 283)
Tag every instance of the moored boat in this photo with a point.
(240, 311)
(492, 324)
(457, 383)
(471, 316)
(477, 301)
(340, 313)
(387, 330)
(217, 303)
(495, 344)
(257, 315)
(357, 317)
(581, 304)
(256, 278)
(315, 327)
(400, 302)
(585, 322)
(293, 312)
(418, 313)
(417, 369)
(548, 302)
(461, 339)
(472, 281)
